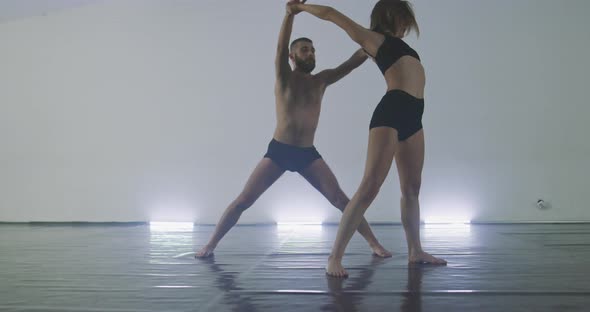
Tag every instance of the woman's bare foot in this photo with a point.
(206, 252)
(425, 258)
(380, 251)
(335, 268)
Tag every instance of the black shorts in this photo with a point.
(401, 111)
(290, 157)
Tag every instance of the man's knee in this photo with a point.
(339, 200)
(243, 202)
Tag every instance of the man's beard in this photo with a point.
(305, 66)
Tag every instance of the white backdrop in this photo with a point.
(159, 110)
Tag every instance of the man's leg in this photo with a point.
(322, 178)
(265, 174)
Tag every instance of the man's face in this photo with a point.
(303, 55)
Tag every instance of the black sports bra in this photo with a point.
(391, 50)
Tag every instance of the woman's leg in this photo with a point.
(382, 147)
(410, 161)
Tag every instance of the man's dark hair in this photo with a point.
(302, 39)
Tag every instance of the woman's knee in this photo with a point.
(411, 189)
(369, 190)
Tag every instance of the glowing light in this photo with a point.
(171, 226)
(453, 209)
(298, 223)
(446, 221)
(299, 235)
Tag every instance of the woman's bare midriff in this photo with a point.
(407, 74)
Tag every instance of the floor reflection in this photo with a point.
(412, 299)
(348, 299)
(226, 282)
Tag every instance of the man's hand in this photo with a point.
(292, 8)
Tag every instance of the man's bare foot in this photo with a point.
(206, 252)
(425, 258)
(380, 251)
(335, 268)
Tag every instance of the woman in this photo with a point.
(396, 125)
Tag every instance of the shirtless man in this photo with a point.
(298, 101)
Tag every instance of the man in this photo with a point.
(298, 101)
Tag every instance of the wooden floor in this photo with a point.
(281, 268)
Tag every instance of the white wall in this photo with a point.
(159, 110)
(19, 9)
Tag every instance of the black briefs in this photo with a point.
(401, 111)
(291, 157)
